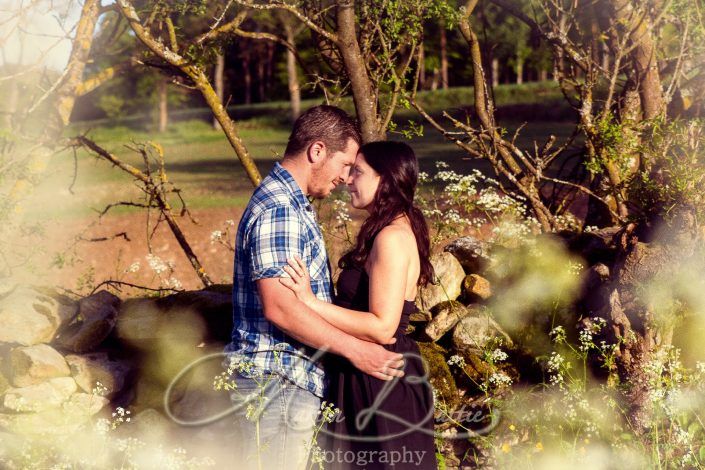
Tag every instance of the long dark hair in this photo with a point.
(396, 164)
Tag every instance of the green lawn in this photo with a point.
(200, 161)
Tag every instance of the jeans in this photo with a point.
(274, 423)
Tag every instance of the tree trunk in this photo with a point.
(495, 72)
(246, 74)
(364, 95)
(63, 102)
(641, 332)
(11, 105)
(444, 57)
(643, 57)
(218, 83)
(543, 75)
(162, 99)
(269, 67)
(434, 79)
(260, 60)
(293, 75)
(203, 85)
(422, 66)
(80, 50)
(520, 70)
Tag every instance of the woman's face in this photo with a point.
(362, 183)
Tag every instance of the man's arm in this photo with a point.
(292, 316)
(389, 264)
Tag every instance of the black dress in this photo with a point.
(396, 431)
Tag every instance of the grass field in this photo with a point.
(200, 161)
(61, 214)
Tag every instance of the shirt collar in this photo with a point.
(281, 174)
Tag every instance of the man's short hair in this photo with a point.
(329, 124)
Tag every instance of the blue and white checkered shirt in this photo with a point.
(278, 224)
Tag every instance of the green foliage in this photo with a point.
(674, 170)
(112, 105)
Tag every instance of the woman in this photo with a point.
(381, 421)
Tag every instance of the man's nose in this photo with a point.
(345, 175)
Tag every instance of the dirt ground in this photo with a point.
(87, 263)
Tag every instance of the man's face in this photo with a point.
(332, 170)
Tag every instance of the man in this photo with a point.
(276, 336)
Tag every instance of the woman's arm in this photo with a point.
(387, 269)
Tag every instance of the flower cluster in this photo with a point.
(456, 360)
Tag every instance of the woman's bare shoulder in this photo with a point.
(394, 236)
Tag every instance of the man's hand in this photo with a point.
(373, 359)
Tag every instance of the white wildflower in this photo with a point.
(498, 355)
(216, 235)
(134, 267)
(500, 379)
(157, 264)
(456, 360)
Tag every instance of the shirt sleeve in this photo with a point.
(276, 236)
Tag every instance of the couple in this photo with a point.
(348, 349)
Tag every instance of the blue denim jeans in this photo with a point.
(274, 423)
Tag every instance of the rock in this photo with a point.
(449, 274)
(61, 421)
(476, 330)
(97, 316)
(49, 394)
(6, 287)
(31, 317)
(476, 286)
(66, 308)
(439, 373)
(214, 305)
(473, 254)
(149, 426)
(34, 364)
(90, 369)
(187, 317)
(475, 368)
(420, 316)
(88, 403)
(446, 316)
(4, 383)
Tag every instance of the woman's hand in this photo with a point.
(299, 283)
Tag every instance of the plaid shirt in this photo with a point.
(278, 223)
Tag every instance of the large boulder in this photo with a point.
(477, 330)
(31, 365)
(445, 316)
(188, 317)
(96, 373)
(30, 316)
(473, 254)
(39, 397)
(96, 319)
(449, 276)
(476, 287)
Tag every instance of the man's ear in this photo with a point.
(317, 152)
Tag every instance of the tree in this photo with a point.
(373, 43)
(635, 161)
(194, 72)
